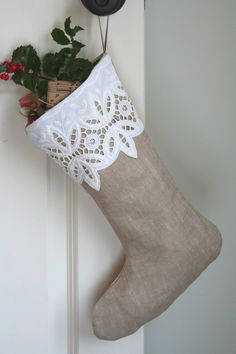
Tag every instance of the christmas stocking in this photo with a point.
(167, 243)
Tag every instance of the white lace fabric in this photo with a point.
(87, 130)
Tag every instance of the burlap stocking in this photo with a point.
(167, 243)
(91, 134)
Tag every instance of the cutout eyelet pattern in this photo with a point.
(87, 130)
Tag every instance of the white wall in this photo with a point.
(190, 100)
(38, 219)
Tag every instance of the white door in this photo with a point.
(56, 249)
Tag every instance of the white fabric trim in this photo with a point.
(87, 130)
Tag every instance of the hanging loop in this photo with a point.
(103, 39)
(103, 7)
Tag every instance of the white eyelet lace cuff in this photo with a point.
(87, 130)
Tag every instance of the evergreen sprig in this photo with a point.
(64, 64)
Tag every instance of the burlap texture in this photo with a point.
(167, 243)
(58, 90)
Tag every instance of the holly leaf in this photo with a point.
(52, 64)
(2, 68)
(65, 51)
(42, 88)
(78, 69)
(27, 56)
(59, 36)
(76, 46)
(71, 31)
(27, 80)
(64, 77)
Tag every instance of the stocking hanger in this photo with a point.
(103, 39)
(103, 7)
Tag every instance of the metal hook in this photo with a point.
(103, 7)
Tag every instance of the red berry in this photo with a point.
(31, 120)
(11, 67)
(4, 77)
(7, 62)
(10, 70)
(19, 67)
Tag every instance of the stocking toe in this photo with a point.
(108, 320)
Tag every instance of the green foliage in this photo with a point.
(61, 65)
(27, 80)
(27, 56)
(59, 36)
(52, 63)
(76, 46)
(71, 31)
(42, 88)
(2, 68)
(63, 76)
(78, 69)
(65, 64)
(65, 51)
